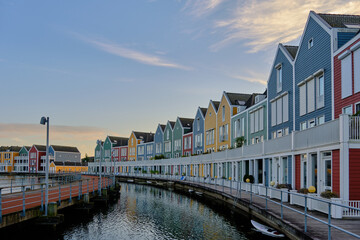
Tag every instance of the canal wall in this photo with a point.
(241, 206)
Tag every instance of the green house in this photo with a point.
(182, 126)
(168, 139)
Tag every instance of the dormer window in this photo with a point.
(310, 43)
(279, 77)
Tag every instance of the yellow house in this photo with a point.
(230, 104)
(132, 146)
(7, 156)
(210, 127)
(67, 167)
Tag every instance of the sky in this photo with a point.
(99, 68)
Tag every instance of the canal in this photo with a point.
(146, 212)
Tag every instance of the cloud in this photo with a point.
(252, 77)
(199, 8)
(128, 53)
(262, 24)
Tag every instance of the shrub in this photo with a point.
(251, 177)
(240, 141)
(284, 185)
(303, 191)
(328, 194)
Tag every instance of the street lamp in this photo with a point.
(43, 121)
(99, 143)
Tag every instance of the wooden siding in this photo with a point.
(308, 62)
(198, 131)
(287, 86)
(210, 123)
(220, 122)
(354, 174)
(340, 103)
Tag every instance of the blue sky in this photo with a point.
(100, 68)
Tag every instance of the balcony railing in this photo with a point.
(354, 128)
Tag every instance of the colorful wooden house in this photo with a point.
(68, 167)
(280, 92)
(35, 163)
(145, 149)
(187, 148)
(323, 34)
(228, 107)
(182, 127)
(210, 127)
(112, 148)
(64, 153)
(21, 164)
(135, 139)
(198, 131)
(159, 140)
(99, 152)
(168, 139)
(347, 78)
(7, 157)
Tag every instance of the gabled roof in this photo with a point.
(251, 100)
(292, 50)
(340, 20)
(172, 124)
(41, 148)
(237, 98)
(203, 111)
(186, 122)
(216, 105)
(118, 141)
(10, 149)
(65, 149)
(144, 136)
(162, 126)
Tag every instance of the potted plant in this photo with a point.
(239, 141)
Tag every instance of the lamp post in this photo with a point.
(99, 143)
(43, 121)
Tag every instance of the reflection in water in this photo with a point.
(145, 212)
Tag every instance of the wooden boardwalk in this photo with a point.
(14, 203)
(315, 229)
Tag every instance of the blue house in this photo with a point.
(159, 140)
(280, 92)
(323, 34)
(145, 149)
(198, 131)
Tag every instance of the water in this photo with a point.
(145, 212)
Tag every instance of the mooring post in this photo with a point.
(42, 197)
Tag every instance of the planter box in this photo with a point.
(276, 193)
(262, 190)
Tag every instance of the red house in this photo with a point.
(35, 154)
(123, 153)
(187, 144)
(347, 78)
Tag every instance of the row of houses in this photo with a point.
(32, 159)
(300, 131)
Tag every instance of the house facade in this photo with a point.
(168, 139)
(182, 126)
(228, 107)
(159, 140)
(210, 127)
(35, 154)
(347, 78)
(7, 157)
(198, 131)
(187, 148)
(64, 153)
(280, 92)
(21, 164)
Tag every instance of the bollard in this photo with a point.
(86, 198)
(52, 209)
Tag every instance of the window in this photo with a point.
(210, 136)
(357, 70)
(149, 149)
(310, 43)
(279, 77)
(357, 107)
(158, 148)
(257, 120)
(320, 120)
(348, 110)
(198, 124)
(223, 113)
(310, 95)
(279, 110)
(167, 134)
(303, 126)
(273, 135)
(177, 145)
(320, 92)
(167, 146)
(198, 140)
(311, 123)
(346, 76)
(132, 141)
(279, 133)
(302, 99)
(223, 133)
(286, 131)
